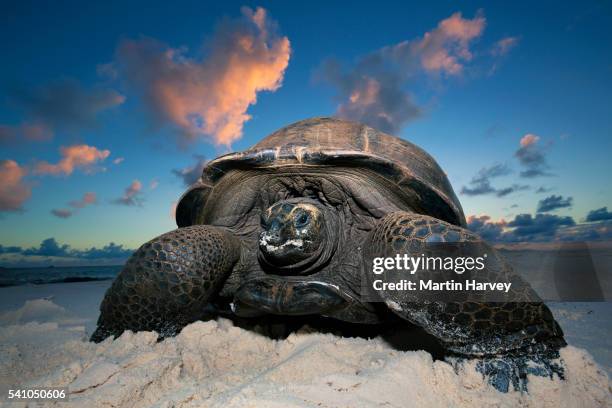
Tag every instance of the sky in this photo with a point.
(109, 110)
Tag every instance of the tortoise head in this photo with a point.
(297, 236)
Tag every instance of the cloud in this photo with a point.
(48, 247)
(62, 212)
(485, 228)
(10, 249)
(531, 157)
(373, 91)
(544, 227)
(34, 132)
(495, 170)
(64, 104)
(600, 214)
(51, 248)
(540, 227)
(502, 192)
(118, 160)
(81, 157)
(543, 189)
(108, 251)
(191, 174)
(153, 184)
(446, 47)
(209, 97)
(14, 191)
(504, 45)
(88, 199)
(478, 189)
(598, 231)
(523, 228)
(553, 202)
(528, 140)
(132, 195)
(378, 100)
(481, 182)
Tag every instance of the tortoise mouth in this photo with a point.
(297, 237)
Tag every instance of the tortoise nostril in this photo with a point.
(269, 238)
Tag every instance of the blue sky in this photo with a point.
(76, 75)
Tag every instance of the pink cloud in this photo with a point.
(13, 190)
(132, 195)
(118, 160)
(484, 218)
(153, 184)
(499, 50)
(81, 157)
(374, 91)
(444, 48)
(209, 97)
(532, 157)
(33, 132)
(88, 199)
(503, 46)
(529, 139)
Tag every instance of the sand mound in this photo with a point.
(215, 364)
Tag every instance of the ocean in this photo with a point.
(573, 272)
(57, 274)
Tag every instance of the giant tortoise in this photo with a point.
(290, 227)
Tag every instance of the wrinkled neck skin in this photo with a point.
(351, 199)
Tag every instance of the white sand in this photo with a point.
(215, 364)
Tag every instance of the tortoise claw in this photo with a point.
(511, 371)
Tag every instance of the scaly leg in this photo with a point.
(168, 281)
(508, 336)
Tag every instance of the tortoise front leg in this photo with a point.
(511, 337)
(167, 282)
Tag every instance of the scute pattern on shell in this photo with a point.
(332, 143)
(473, 326)
(168, 281)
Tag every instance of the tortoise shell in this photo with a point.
(334, 142)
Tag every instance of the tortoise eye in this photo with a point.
(302, 219)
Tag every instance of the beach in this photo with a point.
(44, 332)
